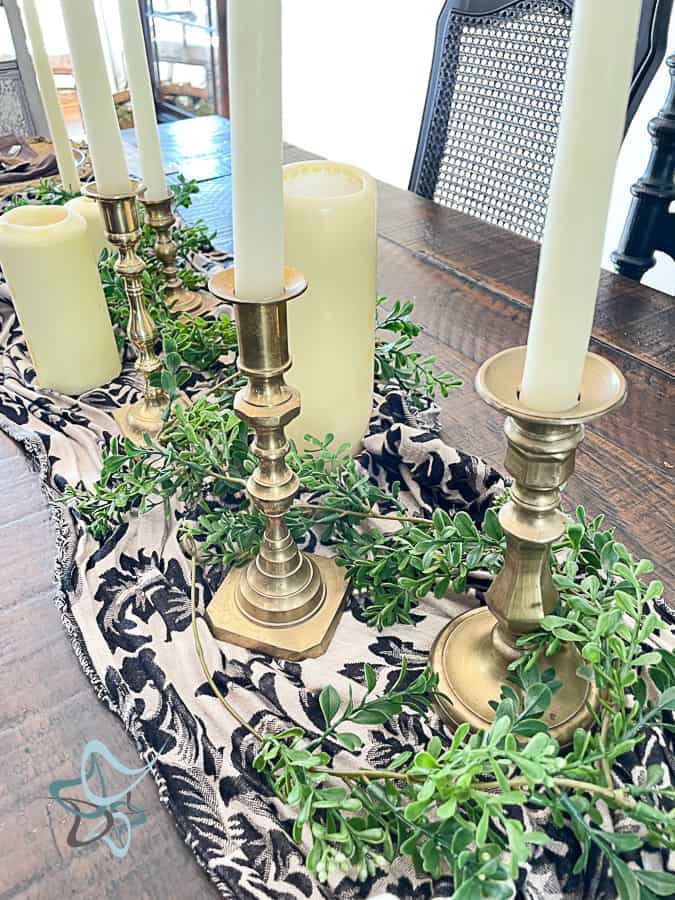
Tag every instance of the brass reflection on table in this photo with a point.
(285, 602)
(472, 653)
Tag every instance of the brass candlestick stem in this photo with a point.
(285, 603)
(160, 217)
(472, 653)
(122, 228)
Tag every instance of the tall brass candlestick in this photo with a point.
(285, 603)
(122, 228)
(160, 217)
(472, 653)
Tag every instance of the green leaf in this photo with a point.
(448, 809)
(349, 741)
(537, 700)
(667, 699)
(472, 889)
(624, 842)
(371, 676)
(329, 701)
(424, 760)
(414, 810)
(431, 858)
(660, 883)
(625, 879)
(652, 658)
(482, 829)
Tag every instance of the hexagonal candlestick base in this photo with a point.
(302, 640)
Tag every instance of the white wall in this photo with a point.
(355, 79)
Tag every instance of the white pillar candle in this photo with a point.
(46, 257)
(142, 102)
(93, 88)
(331, 236)
(50, 100)
(91, 213)
(254, 45)
(599, 70)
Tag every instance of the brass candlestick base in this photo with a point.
(285, 603)
(120, 220)
(160, 217)
(472, 653)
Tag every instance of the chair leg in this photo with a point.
(649, 225)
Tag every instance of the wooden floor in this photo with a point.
(472, 284)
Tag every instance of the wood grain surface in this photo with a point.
(472, 284)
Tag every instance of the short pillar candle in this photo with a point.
(53, 278)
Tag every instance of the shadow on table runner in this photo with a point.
(125, 604)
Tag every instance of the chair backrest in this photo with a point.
(21, 110)
(490, 124)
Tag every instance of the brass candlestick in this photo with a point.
(160, 217)
(122, 228)
(285, 603)
(472, 652)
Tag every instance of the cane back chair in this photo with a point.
(490, 124)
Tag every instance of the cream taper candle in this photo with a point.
(93, 88)
(46, 257)
(142, 102)
(91, 213)
(254, 51)
(331, 236)
(599, 70)
(57, 125)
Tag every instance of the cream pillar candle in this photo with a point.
(50, 100)
(331, 236)
(93, 88)
(599, 70)
(254, 50)
(142, 102)
(91, 213)
(46, 257)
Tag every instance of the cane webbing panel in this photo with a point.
(496, 114)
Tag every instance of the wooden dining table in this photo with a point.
(472, 284)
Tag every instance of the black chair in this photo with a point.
(650, 226)
(490, 125)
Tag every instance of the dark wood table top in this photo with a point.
(472, 284)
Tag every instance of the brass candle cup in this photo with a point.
(122, 229)
(285, 602)
(472, 653)
(160, 217)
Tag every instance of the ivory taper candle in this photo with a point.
(50, 100)
(331, 236)
(254, 48)
(599, 70)
(142, 102)
(91, 213)
(93, 88)
(46, 256)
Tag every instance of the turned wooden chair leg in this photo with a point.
(649, 226)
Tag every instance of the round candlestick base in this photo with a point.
(471, 673)
(141, 418)
(183, 300)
